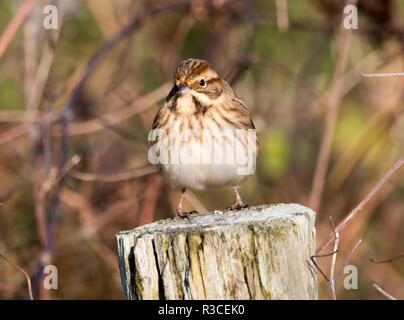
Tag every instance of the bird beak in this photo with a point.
(183, 89)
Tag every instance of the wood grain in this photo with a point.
(257, 253)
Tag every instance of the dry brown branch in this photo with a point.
(40, 145)
(55, 176)
(282, 15)
(316, 265)
(385, 273)
(19, 116)
(347, 259)
(334, 102)
(15, 24)
(41, 191)
(351, 78)
(365, 200)
(105, 253)
(31, 31)
(116, 177)
(111, 43)
(115, 117)
(93, 63)
(14, 133)
(23, 271)
(388, 260)
(195, 202)
(333, 261)
(90, 226)
(332, 279)
(387, 295)
(150, 199)
(103, 14)
(374, 75)
(42, 75)
(92, 221)
(79, 128)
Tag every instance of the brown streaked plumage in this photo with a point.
(201, 100)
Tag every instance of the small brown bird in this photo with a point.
(205, 137)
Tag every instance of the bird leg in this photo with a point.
(239, 204)
(180, 213)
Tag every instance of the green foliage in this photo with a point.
(195, 43)
(274, 153)
(349, 126)
(11, 96)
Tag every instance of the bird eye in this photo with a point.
(202, 83)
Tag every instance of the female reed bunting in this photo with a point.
(203, 136)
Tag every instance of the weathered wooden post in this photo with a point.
(257, 253)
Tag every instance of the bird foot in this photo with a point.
(236, 207)
(184, 214)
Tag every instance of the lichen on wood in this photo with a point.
(257, 253)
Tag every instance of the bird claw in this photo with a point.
(236, 207)
(184, 214)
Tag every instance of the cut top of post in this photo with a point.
(219, 220)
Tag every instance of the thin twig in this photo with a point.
(103, 15)
(195, 202)
(322, 256)
(347, 259)
(13, 133)
(282, 15)
(387, 295)
(333, 279)
(15, 24)
(374, 75)
(360, 146)
(388, 260)
(115, 117)
(56, 176)
(150, 199)
(92, 221)
(116, 177)
(23, 271)
(333, 261)
(84, 127)
(364, 201)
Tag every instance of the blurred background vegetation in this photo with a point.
(281, 57)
